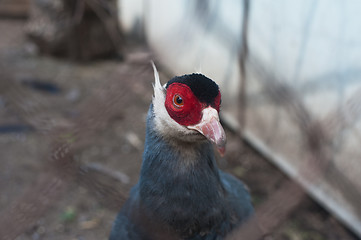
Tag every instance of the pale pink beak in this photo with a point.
(211, 128)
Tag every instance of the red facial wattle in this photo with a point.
(187, 110)
(184, 107)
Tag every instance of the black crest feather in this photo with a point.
(205, 89)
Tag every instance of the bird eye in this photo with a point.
(178, 101)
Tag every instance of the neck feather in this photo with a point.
(177, 179)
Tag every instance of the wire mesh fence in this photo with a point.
(66, 135)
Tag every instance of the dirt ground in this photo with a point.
(99, 108)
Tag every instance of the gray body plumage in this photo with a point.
(181, 193)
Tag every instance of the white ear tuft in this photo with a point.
(158, 89)
(164, 124)
(156, 77)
